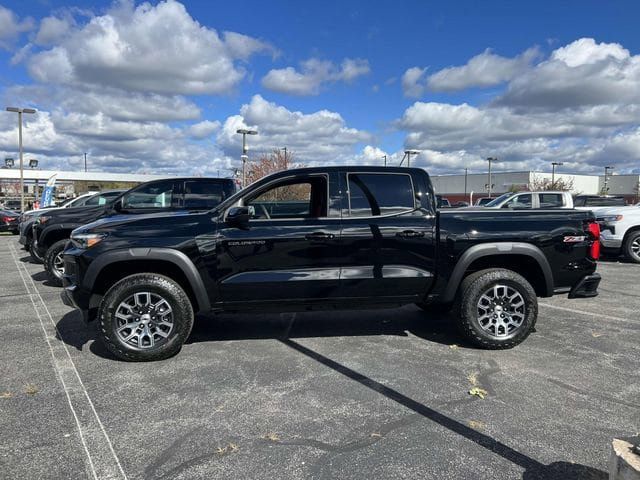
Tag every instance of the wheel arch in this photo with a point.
(51, 235)
(111, 267)
(523, 258)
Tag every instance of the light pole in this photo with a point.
(85, 162)
(607, 171)
(489, 184)
(284, 149)
(385, 160)
(20, 111)
(408, 154)
(466, 171)
(553, 173)
(244, 156)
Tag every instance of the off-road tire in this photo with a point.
(145, 282)
(469, 293)
(54, 276)
(35, 258)
(627, 248)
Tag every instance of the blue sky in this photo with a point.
(336, 82)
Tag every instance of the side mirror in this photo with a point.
(117, 206)
(238, 217)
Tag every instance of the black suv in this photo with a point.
(51, 230)
(327, 238)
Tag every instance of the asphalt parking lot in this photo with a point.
(369, 394)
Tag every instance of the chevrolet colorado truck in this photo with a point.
(326, 238)
(51, 230)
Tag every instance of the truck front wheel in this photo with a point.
(631, 246)
(145, 317)
(496, 308)
(53, 262)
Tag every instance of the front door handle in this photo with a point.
(410, 234)
(319, 236)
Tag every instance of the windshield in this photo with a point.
(497, 201)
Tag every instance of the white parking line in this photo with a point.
(102, 461)
(592, 314)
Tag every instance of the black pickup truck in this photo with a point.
(51, 230)
(326, 238)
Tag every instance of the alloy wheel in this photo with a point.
(501, 310)
(144, 320)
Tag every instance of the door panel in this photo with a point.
(386, 255)
(281, 259)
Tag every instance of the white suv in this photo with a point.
(620, 230)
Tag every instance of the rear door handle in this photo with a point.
(410, 234)
(319, 236)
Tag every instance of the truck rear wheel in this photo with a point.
(145, 317)
(631, 246)
(496, 308)
(53, 262)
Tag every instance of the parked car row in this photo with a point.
(144, 263)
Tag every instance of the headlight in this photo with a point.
(610, 218)
(86, 240)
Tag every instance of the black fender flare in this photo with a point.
(497, 248)
(175, 257)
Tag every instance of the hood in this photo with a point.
(160, 223)
(601, 211)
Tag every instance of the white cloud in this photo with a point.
(315, 138)
(580, 106)
(11, 27)
(412, 82)
(313, 75)
(579, 74)
(159, 49)
(484, 70)
(53, 30)
(204, 129)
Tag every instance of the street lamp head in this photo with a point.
(557, 164)
(20, 110)
(412, 152)
(244, 131)
(492, 159)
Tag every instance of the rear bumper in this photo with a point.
(587, 287)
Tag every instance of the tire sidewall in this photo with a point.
(49, 259)
(469, 308)
(171, 292)
(629, 252)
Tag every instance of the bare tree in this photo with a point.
(559, 185)
(269, 163)
(273, 162)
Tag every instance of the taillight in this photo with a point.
(594, 250)
(6, 219)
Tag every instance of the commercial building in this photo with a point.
(462, 188)
(68, 184)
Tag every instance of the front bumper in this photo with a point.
(587, 287)
(608, 239)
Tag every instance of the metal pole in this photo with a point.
(21, 161)
(489, 183)
(85, 161)
(553, 174)
(385, 160)
(408, 159)
(465, 182)
(244, 159)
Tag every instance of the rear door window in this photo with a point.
(153, 195)
(373, 195)
(550, 200)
